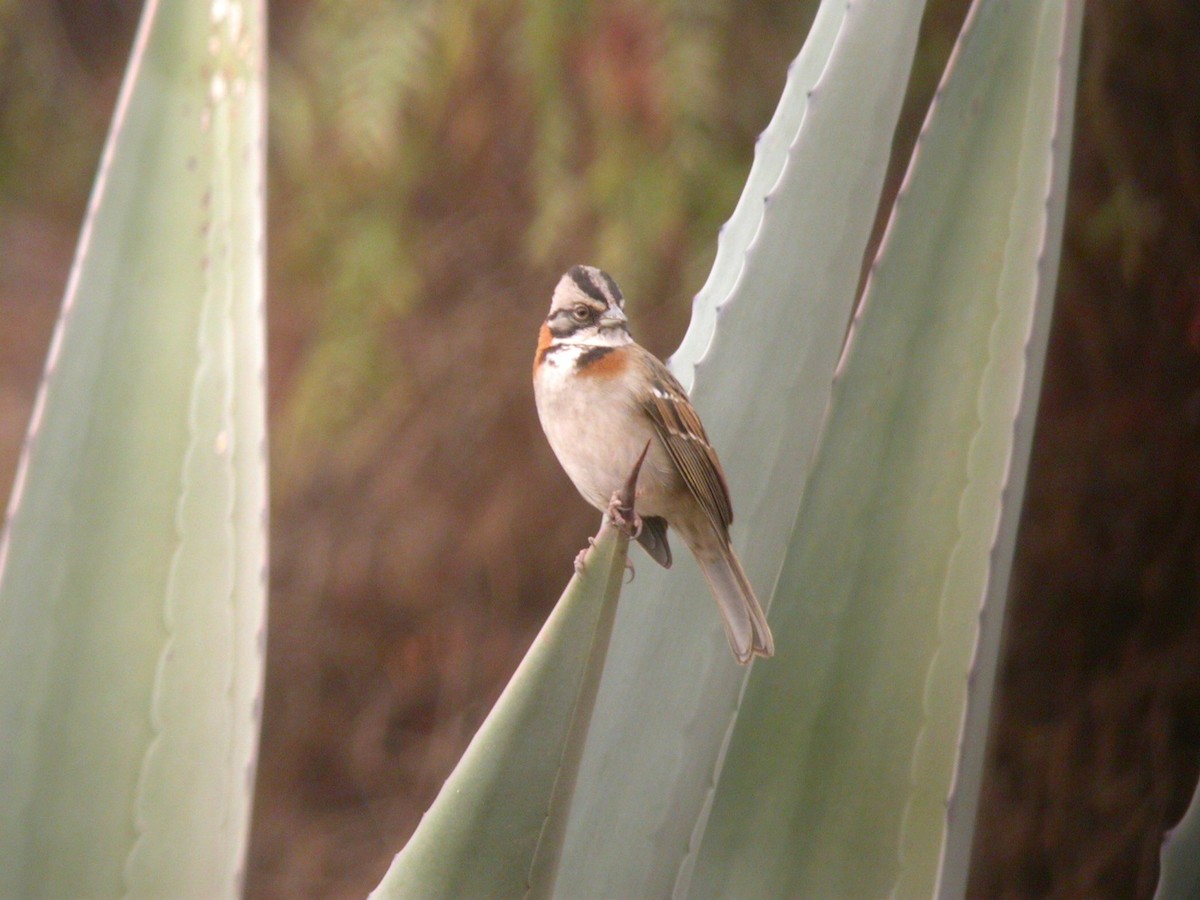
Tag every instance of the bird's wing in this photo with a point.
(683, 435)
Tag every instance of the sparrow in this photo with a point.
(602, 400)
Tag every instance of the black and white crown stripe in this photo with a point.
(597, 284)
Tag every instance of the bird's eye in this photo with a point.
(581, 313)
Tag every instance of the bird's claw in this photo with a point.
(621, 512)
(582, 555)
(623, 517)
(620, 508)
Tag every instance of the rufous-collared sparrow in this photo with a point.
(601, 398)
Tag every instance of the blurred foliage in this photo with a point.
(1096, 732)
(621, 148)
(434, 168)
(50, 125)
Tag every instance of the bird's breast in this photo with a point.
(597, 430)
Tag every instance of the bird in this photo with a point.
(603, 400)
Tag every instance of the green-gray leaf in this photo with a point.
(1179, 860)
(844, 754)
(766, 335)
(496, 827)
(132, 570)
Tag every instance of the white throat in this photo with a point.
(596, 337)
(565, 352)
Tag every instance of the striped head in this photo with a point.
(588, 308)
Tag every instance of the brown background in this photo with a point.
(431, 174)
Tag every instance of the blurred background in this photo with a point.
(433, 168)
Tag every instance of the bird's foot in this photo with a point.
(582, 555)
(624, 517)
(620, 508)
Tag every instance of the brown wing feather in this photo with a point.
(683, 435)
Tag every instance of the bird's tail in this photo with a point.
(745, 623)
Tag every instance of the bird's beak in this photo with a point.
(612, 318)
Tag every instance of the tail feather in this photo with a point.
(745, 623)
(653, 539)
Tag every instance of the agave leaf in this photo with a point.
(132, 569)
(767, 330)
(496, 827)
(843, 756)
(1064, 25)
(770, 157)
(1179, 859)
